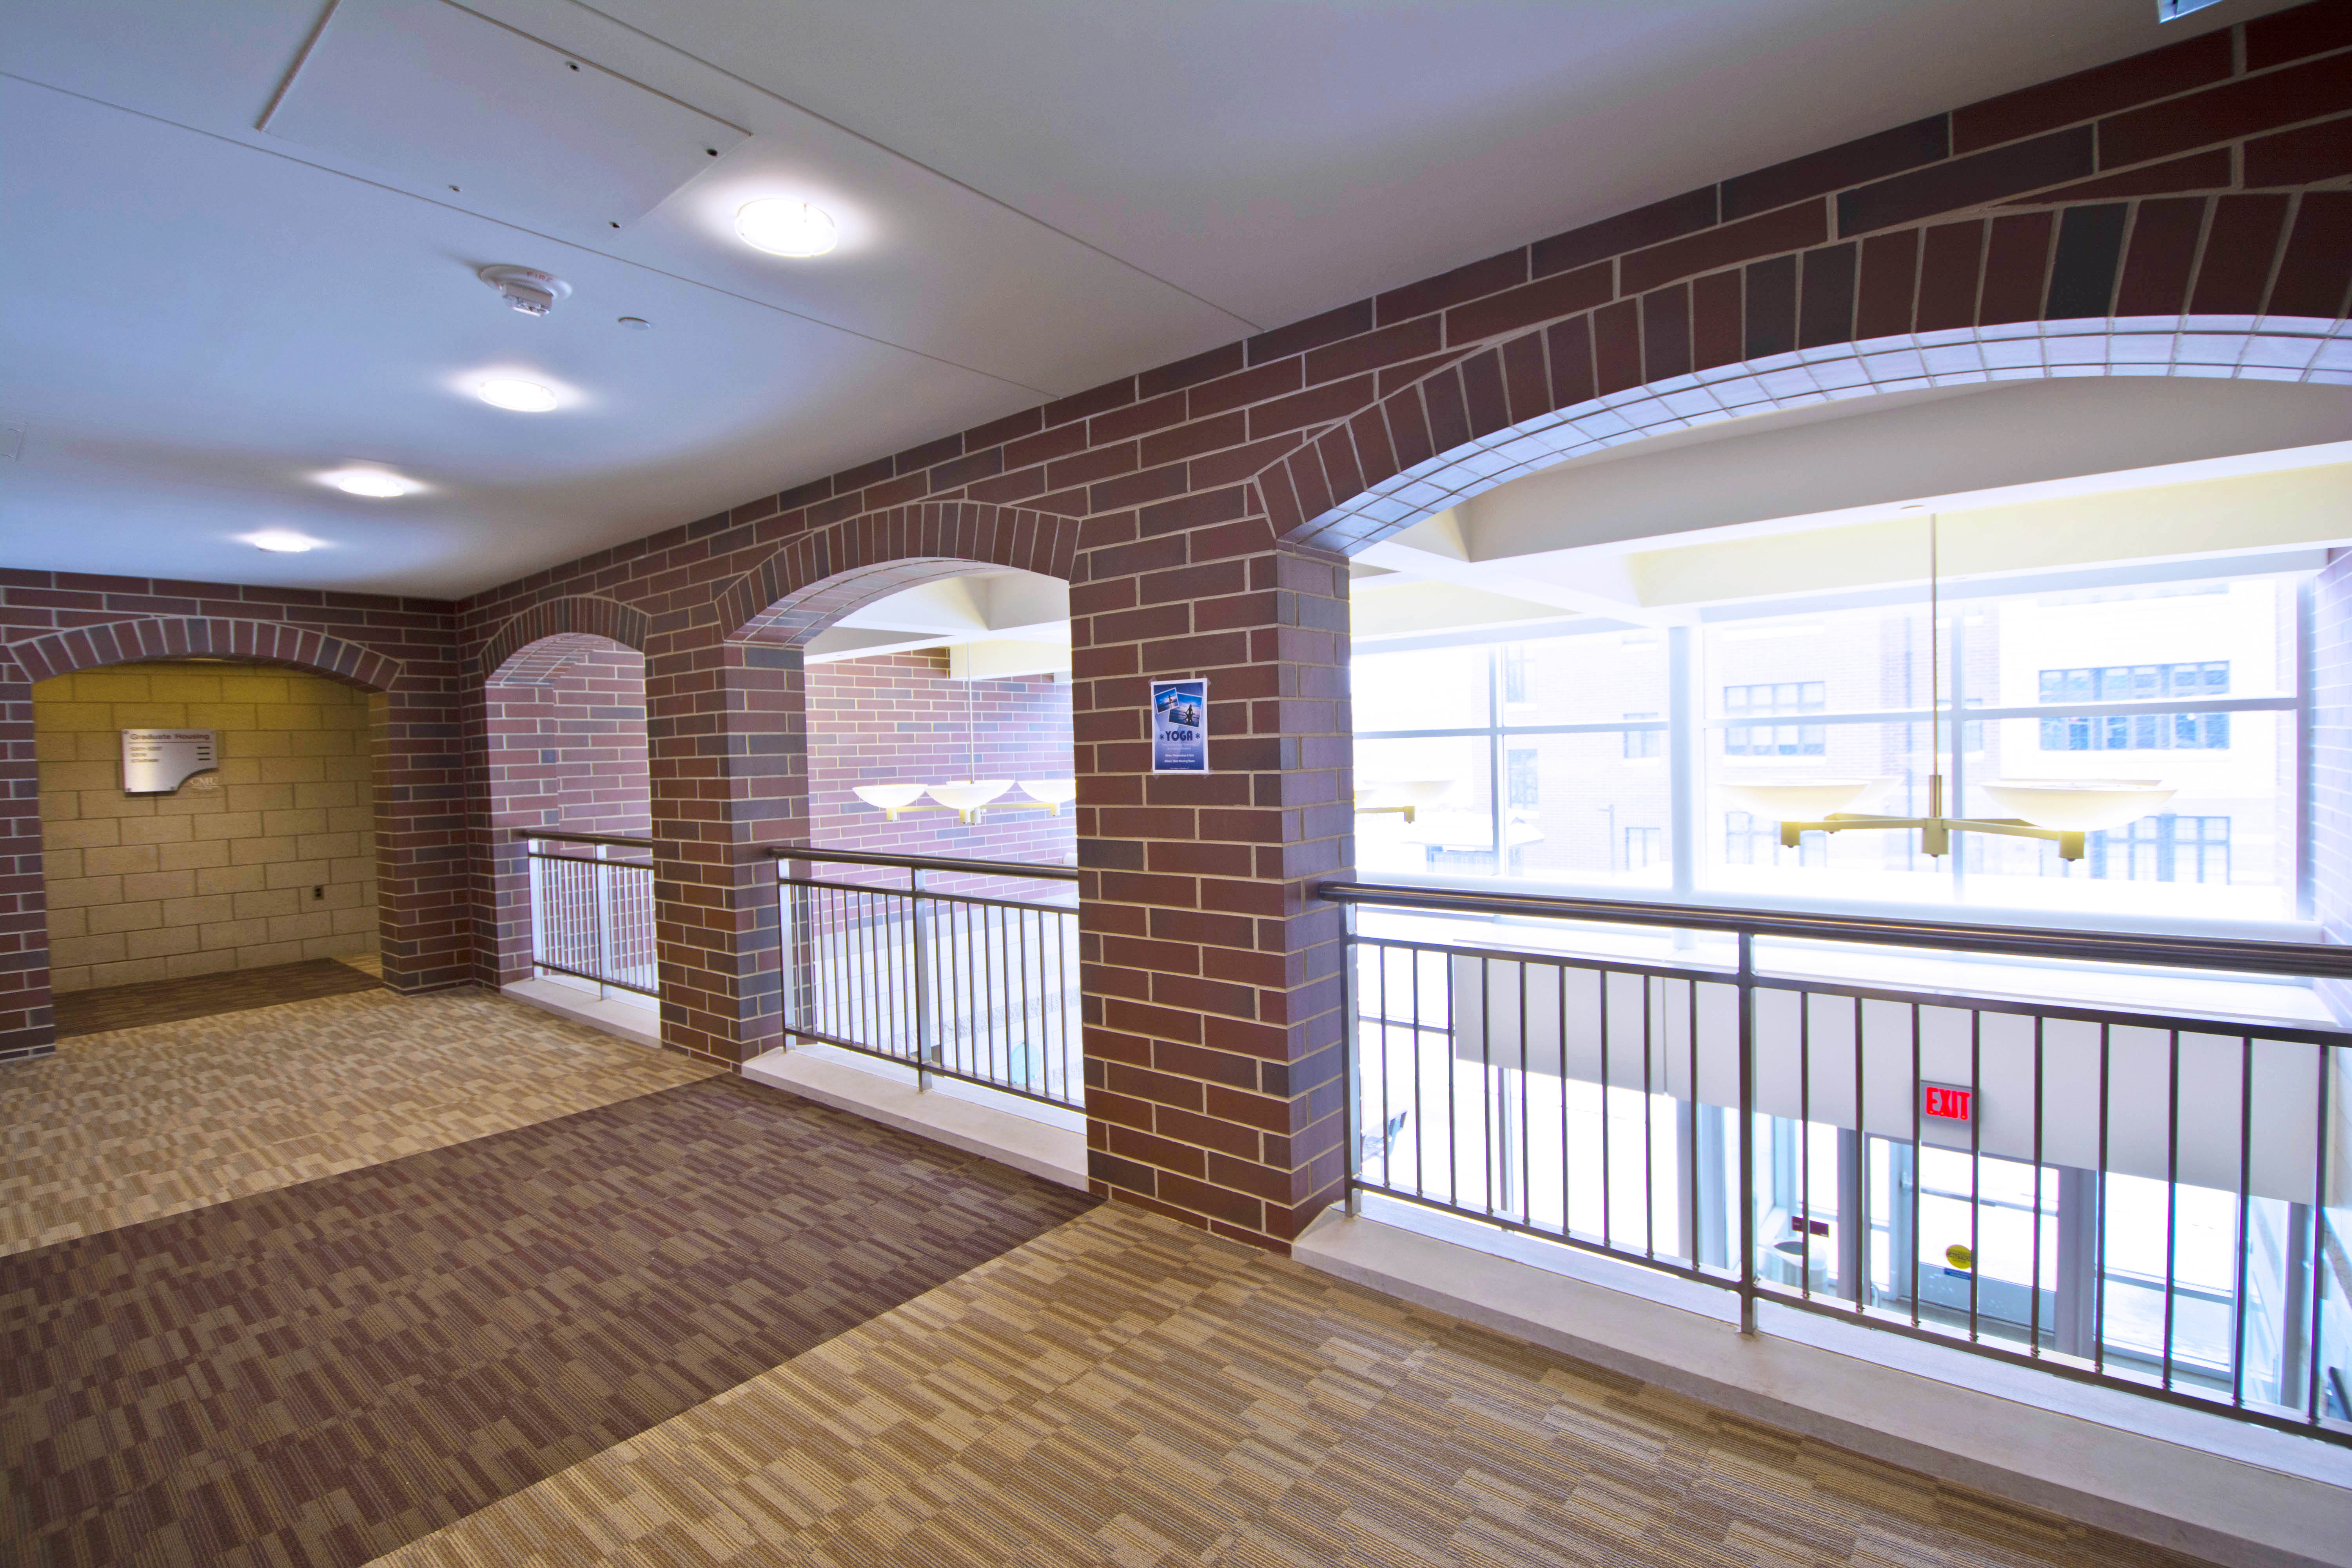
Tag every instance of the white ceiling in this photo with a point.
(196, 316)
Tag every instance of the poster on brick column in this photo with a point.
(1179, 726)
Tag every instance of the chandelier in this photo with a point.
(968, 796)
(2059, 810)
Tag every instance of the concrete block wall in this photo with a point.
(269, 859)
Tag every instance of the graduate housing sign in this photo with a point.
(1179, 726)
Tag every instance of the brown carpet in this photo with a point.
(201, 995)
(317, 1374)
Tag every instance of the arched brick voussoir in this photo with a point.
(815, 578)
(573, 617)
(263, 642)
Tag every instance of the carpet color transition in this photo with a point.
(317, 1374)
(203, 995)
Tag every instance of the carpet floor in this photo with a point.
(201, 995)
(317, 1374)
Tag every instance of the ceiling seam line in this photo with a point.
(917, 162)
(535, 234)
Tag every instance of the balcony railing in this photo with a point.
(592, 907)
(965, 983)
(2119, 1158)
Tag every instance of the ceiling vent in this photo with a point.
(527, 289)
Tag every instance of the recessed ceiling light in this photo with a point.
(522, 396)
(283, 541)
(782, 227)
(374, 483)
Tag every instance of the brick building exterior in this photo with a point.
(2185, 211)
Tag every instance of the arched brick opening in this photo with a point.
(819, 576)
(563, 721)
(2280, 349)
(549, 627)
(260, 642)
(165, 639)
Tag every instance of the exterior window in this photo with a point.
(1644, 743)
(1756, 841)
(1522, 780)
(1645, 848)
(2163, 848)
(1515, 674)
(2137, 732)
(1775, 740)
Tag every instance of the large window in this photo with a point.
(1602, 758)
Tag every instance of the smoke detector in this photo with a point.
(527, 289)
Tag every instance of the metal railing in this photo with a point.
(2089, 1153)
(964, 985)
(591, 907)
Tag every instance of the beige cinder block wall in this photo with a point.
(220, 875)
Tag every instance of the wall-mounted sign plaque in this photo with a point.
(156, 761)
(1179, 726)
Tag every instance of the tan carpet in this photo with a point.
(1125, 1391)
(123, 1127)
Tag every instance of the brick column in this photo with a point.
(727, 737)
(1215, 1078)
(27, 1024)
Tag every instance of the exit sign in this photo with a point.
(1946, 1102)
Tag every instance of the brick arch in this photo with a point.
(539, 663)
(572, 624)
(815, 578)
(2206, 287)
(262, 642)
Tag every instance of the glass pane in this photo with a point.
(1456, 835)
(1581, 809)
(1430, 689)
(1596, 679)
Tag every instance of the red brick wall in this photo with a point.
(900, 717)
(565, 749)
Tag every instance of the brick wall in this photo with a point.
(270, 858)
(1205, 505)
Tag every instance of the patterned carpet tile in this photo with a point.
(203, 995)
(124, 1127)
(319, 1374)
(1124, 1392)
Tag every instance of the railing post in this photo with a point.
(1746, 1132)
(924, 1022)
(600, 887)
(1351, 1054)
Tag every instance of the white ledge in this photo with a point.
(2226, 1491)
(632, 1021)
(1041, 1139)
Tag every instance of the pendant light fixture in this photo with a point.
(967, 796)
(2059, 810)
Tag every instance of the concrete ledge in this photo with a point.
(2202, 1484)
(642, 1024)
(1043, 1142)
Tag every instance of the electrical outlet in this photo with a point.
(319, 891)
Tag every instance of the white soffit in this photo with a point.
(430, 92)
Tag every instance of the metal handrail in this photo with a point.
(924, 862)
(622, 839)
(2314, 960)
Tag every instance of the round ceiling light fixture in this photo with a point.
(784, 227)
(372, 483)
(522, 396)
(282, 541)
(525, 289)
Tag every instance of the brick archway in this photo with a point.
(817, 577)
(262, 642)
(529, 647)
